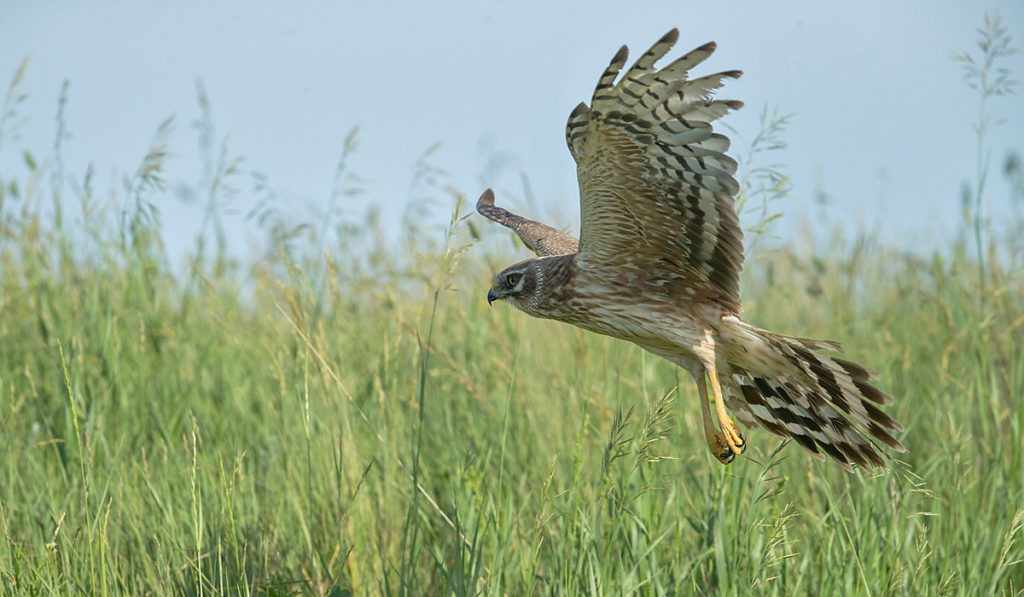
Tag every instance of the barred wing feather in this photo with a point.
(543, 239)
(656, 188)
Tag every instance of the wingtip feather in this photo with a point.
(621, 56)
(485, 200)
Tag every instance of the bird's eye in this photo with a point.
(512, 279)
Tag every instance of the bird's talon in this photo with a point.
(734, 438)
(720, 448)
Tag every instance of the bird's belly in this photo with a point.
(651, 324)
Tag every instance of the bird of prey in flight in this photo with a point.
(658, 263)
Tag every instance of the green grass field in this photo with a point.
(365, 424)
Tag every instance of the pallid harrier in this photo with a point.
(658, 263)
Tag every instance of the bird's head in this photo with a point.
(520, 284)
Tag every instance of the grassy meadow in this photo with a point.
(358, 421)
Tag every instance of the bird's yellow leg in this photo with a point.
(733, 437)
(720, 449)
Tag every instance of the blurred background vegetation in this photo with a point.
(337, 415)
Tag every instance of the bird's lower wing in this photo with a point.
(543, 239)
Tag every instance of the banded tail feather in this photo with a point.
(824, 403)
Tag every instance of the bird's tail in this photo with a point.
(826, 404)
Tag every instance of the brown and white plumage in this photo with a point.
(543, 239)
(659, 258)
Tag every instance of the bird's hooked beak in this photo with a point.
(492, 296)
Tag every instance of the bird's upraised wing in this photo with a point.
(543, 239)
(656, 188)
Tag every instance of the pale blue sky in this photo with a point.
(883, 120)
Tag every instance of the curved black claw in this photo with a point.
(726, 457)
(743, 444)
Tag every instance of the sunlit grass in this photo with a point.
(362, 422)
